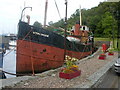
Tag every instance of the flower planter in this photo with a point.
(102, 57)
(70, 75)
(110, 53)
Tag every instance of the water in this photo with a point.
(1, 65)
(2, 75)
(9, 63)
(1, 61)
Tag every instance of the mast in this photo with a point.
(65, 29)
(80, 16)
(45, 17)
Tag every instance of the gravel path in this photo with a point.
(52, 80)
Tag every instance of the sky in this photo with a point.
(10, 11)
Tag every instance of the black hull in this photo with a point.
(42, 36)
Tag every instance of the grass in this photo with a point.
(101, 39)
(114, 45)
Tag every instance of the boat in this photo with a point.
(2, 74)
(39, 49)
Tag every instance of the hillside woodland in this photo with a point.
(102, 20)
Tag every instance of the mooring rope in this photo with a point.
(14, 73)
(11, 51)
(18, 44)
(32, 64)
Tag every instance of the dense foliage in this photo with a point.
(100, 19)
(37, 24)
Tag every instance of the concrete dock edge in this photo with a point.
(95, 77)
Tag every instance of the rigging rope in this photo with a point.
(14, 73)
(18, 44)
(57, 9)
(78, 49)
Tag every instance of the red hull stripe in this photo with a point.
(44, 57)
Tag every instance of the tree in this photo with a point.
(37, 24)
(101, 19)
(108, 25)
(50, 23)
